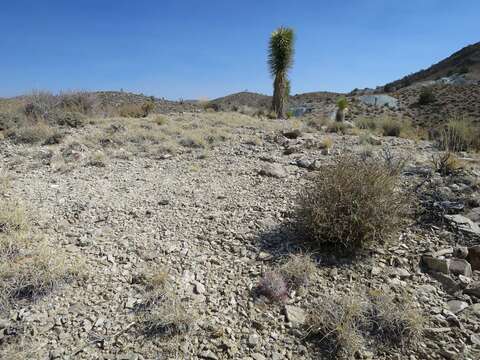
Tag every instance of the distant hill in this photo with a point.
(245, 98)
(465, 62)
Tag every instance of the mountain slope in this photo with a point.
(464, 62)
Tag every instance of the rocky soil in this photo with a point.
(215, 222)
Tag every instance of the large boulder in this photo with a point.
(473, 257)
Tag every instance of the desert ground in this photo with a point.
(176, 236)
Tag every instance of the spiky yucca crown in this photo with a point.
(281, 50)
(342, 103)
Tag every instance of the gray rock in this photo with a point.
(450, 285)
(294, 315)
(400, 272)
(208, 354)
(473, 289)
(199, 287)
(258, 356)
(464, 224)
(273, 170)
(460, 252)
(434, 264)
(474, 257)
(457, 306)
(380, 100)
(474, 215)
(475, 339)
(475, 308)
(460, 267)
(253, 340)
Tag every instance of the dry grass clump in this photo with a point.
(446, 163)
(136, 110)
(335, 323)
(337, 127)
(298, 270)
(81, 102)
(391, 127)
(97, 159)
(35, 133)
(349, 205)
(394, 322)
(367, 123)
(294, 273)
(162, 313)
(274, 286)
(326, 143)
(459, 135)
(317, 123)
(343, 325)
(28, 268)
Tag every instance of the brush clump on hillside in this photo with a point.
(352, 204)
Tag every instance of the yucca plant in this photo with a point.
(342, 105)
(280, 60)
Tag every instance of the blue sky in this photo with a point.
(192, 49)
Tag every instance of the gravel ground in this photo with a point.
(214, 224)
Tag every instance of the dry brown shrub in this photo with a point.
(352, 204)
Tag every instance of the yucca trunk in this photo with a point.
(340, 117)
(279, 91)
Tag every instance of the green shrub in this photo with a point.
(426, 96)
(349, 205)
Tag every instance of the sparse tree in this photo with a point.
(280, 60)
(342, 105)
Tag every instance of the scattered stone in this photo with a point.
(475, 339)
(208, 354)
(199, 287)
(474, 257)
(258, 356)
(473, 289)
(474, 214)
(273, 170)
(434, 264)
(400, 272)
(253, 340)
(294, 315)
(460, 252)
(457, 306)
(450, 285)
(460, 267)
(464, 224)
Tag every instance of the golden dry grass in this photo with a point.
(28, 269)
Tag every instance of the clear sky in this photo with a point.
(191, 49)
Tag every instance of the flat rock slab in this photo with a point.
(460, 267)
(273, 170)
(464, 224)
(295, 315)
(473, 257)
(457, 306)
(434, 264)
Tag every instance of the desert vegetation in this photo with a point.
(280, 60)
(250, 226)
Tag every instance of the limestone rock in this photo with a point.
(294, 315)
(273, 170)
